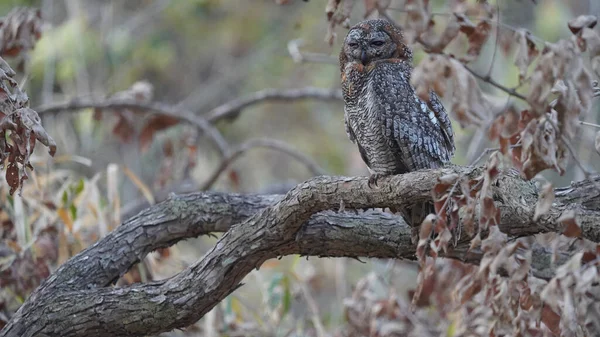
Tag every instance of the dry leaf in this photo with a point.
(448, 35)
(540, 149)
(153, 125)
(19, 31)
(526, 52)
(582, 21)
(372, 5)
(338, 13)
(545, 201)
(477, 39)
(571, 226)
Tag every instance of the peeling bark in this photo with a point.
(76, 299)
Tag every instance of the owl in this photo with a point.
(395, 131)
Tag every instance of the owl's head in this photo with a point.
(372, 40)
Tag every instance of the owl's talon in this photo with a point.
(373, 180)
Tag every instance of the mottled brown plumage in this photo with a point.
(395, 131)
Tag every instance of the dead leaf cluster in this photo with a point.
(19, 30)
(125, 125)
(20, 128)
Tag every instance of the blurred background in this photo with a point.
(196, 55)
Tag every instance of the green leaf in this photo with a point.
(287, 296)
(274, 297)
(65, 197)
(73, 210)
(80, 186)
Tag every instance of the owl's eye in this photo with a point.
(377, 43)
(352, 44)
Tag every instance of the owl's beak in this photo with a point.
(363, 57)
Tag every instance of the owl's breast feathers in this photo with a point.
(395, 130)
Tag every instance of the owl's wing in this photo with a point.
(349, 130)
(417, 136)
(438, 109)
(352, 136)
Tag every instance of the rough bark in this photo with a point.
(75, 300)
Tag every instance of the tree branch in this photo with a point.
(273, 144)
(231, 109)
(162, 109)
(73, 302)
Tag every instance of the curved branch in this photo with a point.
(72, 301)
(162, 109)
(273, 144)
(232, 108)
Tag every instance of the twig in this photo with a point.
(489, 73)
(565, 140)
(158, 108)
(472, 17)
(485, 78)
(314, 310)
(232, 108)
(299, 57)
(488, 79)
(589, 124)
(314, 168)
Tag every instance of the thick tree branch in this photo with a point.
(72, 301)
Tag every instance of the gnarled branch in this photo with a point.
(74, 300)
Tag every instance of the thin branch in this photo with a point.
(313, 309)
(273, 144)
(158, 108)
(589, 124)
(489, 73)
(487, 79)
(300, 57)
(565, 140)
(472, 17)
(231, 109)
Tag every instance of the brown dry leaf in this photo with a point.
(582, 21)
(477, 39)
(424, 233)
(417, 19)
(572, 102)
(551, 319)
(490, 214)
(124, 129)
(23, 125)
(444, 183)
(431, 74)
(559, 60)
(506, 40)
(545, 201)
(526, 52)
(469, 218)
(469, 107)
(19, 31)
(153, 125)
(495, 241)
(592, 45)
(338, 13)
(448, 35)
(540, 148)
(372, 5)
(571, 225)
